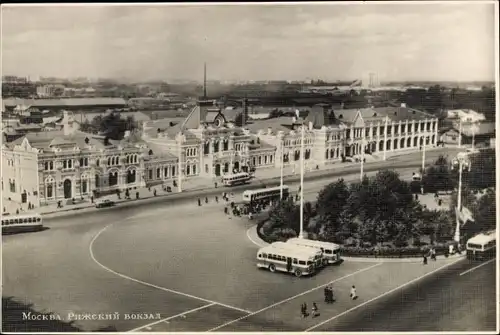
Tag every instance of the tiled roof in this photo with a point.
(72, 102)
(46, 139)
(380, 113)
(276, 124)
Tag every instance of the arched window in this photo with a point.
(109, 160)
(97, 162)
(51, 165)
(128, 159)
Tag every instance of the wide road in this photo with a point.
(193, 266)
(461, 297)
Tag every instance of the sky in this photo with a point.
(418, 41)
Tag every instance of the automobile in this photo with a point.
(104, 203)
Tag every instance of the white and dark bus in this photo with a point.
(236, 179)
(318, 258)
(482, 246)
(331, 252)
(265, 195)
(12, 224)
(299, 263)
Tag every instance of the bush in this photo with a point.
(282, 234)
(393, 252)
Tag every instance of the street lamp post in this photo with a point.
(362, 159)
(179, 173)
(385, 137)
(460, 134)
(474, 129)
(301, 233)
(281, 169)
(461, 161)
(423, 156)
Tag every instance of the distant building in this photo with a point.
(70, 104)
(465, 115)
(210, 143)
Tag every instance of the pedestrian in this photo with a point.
(425, 259)
(206, 200)
(199, 202)
(353, 294)
(91, 199)
(326, 292)
(315, 311)
(216, 199)
(433, 254)
(331, 295)
(250, 217)
(226, 211)
(302, 311)
(154, 192)
(215, 184)
(305, 310)
(137, 195)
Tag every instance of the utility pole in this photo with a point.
(385, 137)
(301, 234)
(179, 181)
(461, 161)
(282, 164)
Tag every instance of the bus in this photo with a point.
(331, 251)
(21, 223)
(482, 246)
(318, 255)
(291, 261)
(265, 194)
(236, 179)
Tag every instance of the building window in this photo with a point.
(150, 173)
(46, 166)
(97, 180)
(81, 162)
(51, 166)
(206, 148)
(84, 186)
(97, 162)
(173, 171)
(271, 159)
(194, 169)
(226, 145)
(158, 173)
(12, 186)
(50, 191)
(216, 146)
(260, 160)
(188, 170)
(265, 159)
(65, 164)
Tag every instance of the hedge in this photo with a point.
(376, 252)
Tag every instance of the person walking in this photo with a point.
(425, 259)
(305, 310)
(315, 311)
(199, 202)
(433, 254)
(216, 199)
(302, 311)
(206, 200)
(353, 294)
(326, 292)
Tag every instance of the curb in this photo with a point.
(212, 191)
(253, 236)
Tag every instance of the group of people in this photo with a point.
(329, 298)
(305, 313)
(431, 255)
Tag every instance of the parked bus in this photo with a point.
(236, 179)
(21, 223)
(331, 251)
(318, 258)
(265, 194)
(292, 261)
(482, 246)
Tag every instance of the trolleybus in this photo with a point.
(21, 223)
(331, 251)
(236, 179)
(264, 194)
(286, 260)
(482, 246)
(318, 258)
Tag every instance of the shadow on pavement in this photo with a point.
(13, 321)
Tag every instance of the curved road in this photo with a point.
(167, 259)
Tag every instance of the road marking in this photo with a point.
(380, 296)
(477, 267)
(149, 284)
(294, 297)
(148, 326)
(251, 239)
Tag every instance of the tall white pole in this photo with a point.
(385, 137)
(281, 172)
(459, 202)
(423, 157)
(460, 134)
(301, 234)
(179, 173)
(362, 159)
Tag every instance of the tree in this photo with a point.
(485, 211)
(331, 201)
(285, 214)
(482, 173)
(438, 177)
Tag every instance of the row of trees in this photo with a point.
(441, 176)
(112, 125)
(375, 211)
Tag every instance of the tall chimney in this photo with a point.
(205, 80)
